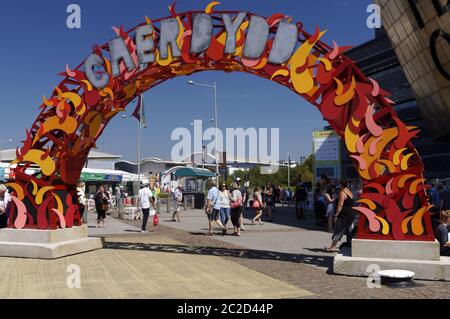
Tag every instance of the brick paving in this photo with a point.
(310, 272)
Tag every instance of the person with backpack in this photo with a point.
(301, 198)
(177, 197)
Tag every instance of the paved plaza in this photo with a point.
(282, 259)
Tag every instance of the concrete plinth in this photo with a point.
(422, 258)
(46, 244)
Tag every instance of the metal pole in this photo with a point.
(289, 172)
(217, 133)
(139, 147)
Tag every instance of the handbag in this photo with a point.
(236, 203)
(155, 220)
(256, 204)
(152, 212)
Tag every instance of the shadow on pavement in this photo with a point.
(285, 216)
(319, 261)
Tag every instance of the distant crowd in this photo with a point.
(331, 202)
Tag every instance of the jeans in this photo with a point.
(146, 213)
(225, 214)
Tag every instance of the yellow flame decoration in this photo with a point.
(18, 189)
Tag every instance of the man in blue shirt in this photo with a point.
(212, 208)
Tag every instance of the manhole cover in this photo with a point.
(397, 278)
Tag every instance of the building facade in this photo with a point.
(420, 33)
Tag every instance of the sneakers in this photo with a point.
(144, 231)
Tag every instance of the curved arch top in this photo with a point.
(393, 204)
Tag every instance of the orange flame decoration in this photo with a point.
(393, 204)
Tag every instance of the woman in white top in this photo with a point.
(82, 200)
(225, 206)
(4, 200)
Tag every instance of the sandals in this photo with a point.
(329, 250)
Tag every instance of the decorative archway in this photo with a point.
(393, 204)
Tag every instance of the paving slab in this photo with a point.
(285, 234)
(140, 267)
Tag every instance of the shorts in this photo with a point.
(214, 215)
(330, 211)
(301, 205)
(101, 214)
(176, 206)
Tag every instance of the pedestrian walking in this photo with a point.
(212, 208)
(177, 198)
(301, 198)
(344, 218)
(101, 205)
(257, 205)
(270, 195)
(82, 200)
(244, 193)
(147, 202)
(236, 209)
(225, 206)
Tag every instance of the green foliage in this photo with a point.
(304, 171)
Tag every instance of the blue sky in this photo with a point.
(36, 46)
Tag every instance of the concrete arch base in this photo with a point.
(46, 244)
(422, 258)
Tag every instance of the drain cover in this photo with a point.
(396, 278)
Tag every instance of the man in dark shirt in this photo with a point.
(301, 197)
(244, 193)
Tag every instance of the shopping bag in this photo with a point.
(155, 220)
(152, 212)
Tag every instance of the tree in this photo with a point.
(303, 171)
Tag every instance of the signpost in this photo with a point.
(327, 155)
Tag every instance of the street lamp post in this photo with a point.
(139, 138)
(204, 148)
(214, 87)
